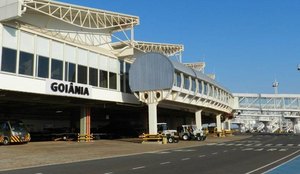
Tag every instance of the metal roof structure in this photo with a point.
(88, 18)
(163, 48)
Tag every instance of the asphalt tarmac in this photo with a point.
(256, 154)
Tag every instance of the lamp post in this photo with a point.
(275, 86)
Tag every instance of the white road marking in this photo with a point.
(215, 153)
(38, 173)
(274, 162)
(248, 145)
(238, 144)
(220, 144)
(290, 144)
(279, 144)
(247, 149)
(268, 145)
(282, 150)
(184, 159)
(298, 144)
(164, 163)
(257, 144)
(210, 144)
(225, 151)
(109, 173)
(229, 144)
(141, 167)
(271, 150)
(200, 156)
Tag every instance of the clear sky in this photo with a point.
(246, 43)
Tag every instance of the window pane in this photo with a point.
(200, 87)
(103, 79)
(71, 72)
(56, 69)
(9, 59)
(82, 74)
(93, 77)
(193, 85)
(26, 64)
(178, 80)
(43, 67)
(112, 80)
(186, 82)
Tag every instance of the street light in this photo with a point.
(298, 67)
(275, 86)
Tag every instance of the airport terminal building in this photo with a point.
(63, 68)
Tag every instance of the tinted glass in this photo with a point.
(26, 63)
(56, 69)
(43, 67)
(112, 80)
(9, 59)
(71, 72)
(103, 79)
(93, 77)
(82, 74)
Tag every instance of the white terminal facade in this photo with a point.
(60, 68)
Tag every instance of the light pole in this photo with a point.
(275, 86)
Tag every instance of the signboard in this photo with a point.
(62, 88)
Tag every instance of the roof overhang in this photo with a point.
(83, 17)
(163, 48)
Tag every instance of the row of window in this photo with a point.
(54, 69)
(203, 87)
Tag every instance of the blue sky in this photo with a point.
(246, 43)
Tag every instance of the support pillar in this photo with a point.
(227, 124)
(85, 121)
(198, 119)
(152, 118)
(219, 124)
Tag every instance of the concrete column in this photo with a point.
(198, 118)
(229, 124)
(152, 118)
(85, 121)
(218, 122)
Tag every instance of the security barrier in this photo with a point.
(85, 138)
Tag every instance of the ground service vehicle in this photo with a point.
(13, 131)
(171, 135)
(191, 132)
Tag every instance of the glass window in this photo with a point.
(112, 80)
(9, 59)
(186, 83)
(56, 69)
(43, 67)
(178, 80)
(193, 85)
(26, 63)
(103, 79)
(200, 86)
(70, 72)
(93, 76)
(205, 86)
(82, 74)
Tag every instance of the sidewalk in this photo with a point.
(49, 153)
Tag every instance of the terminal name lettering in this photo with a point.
(69, 89)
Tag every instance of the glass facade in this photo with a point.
(186, 82)
(9, 60)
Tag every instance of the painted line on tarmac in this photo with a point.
(140, 167)
(185, 159)
(164, 163)
(282, 164)
(273, 162)
(109, 173)
(200, 156)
